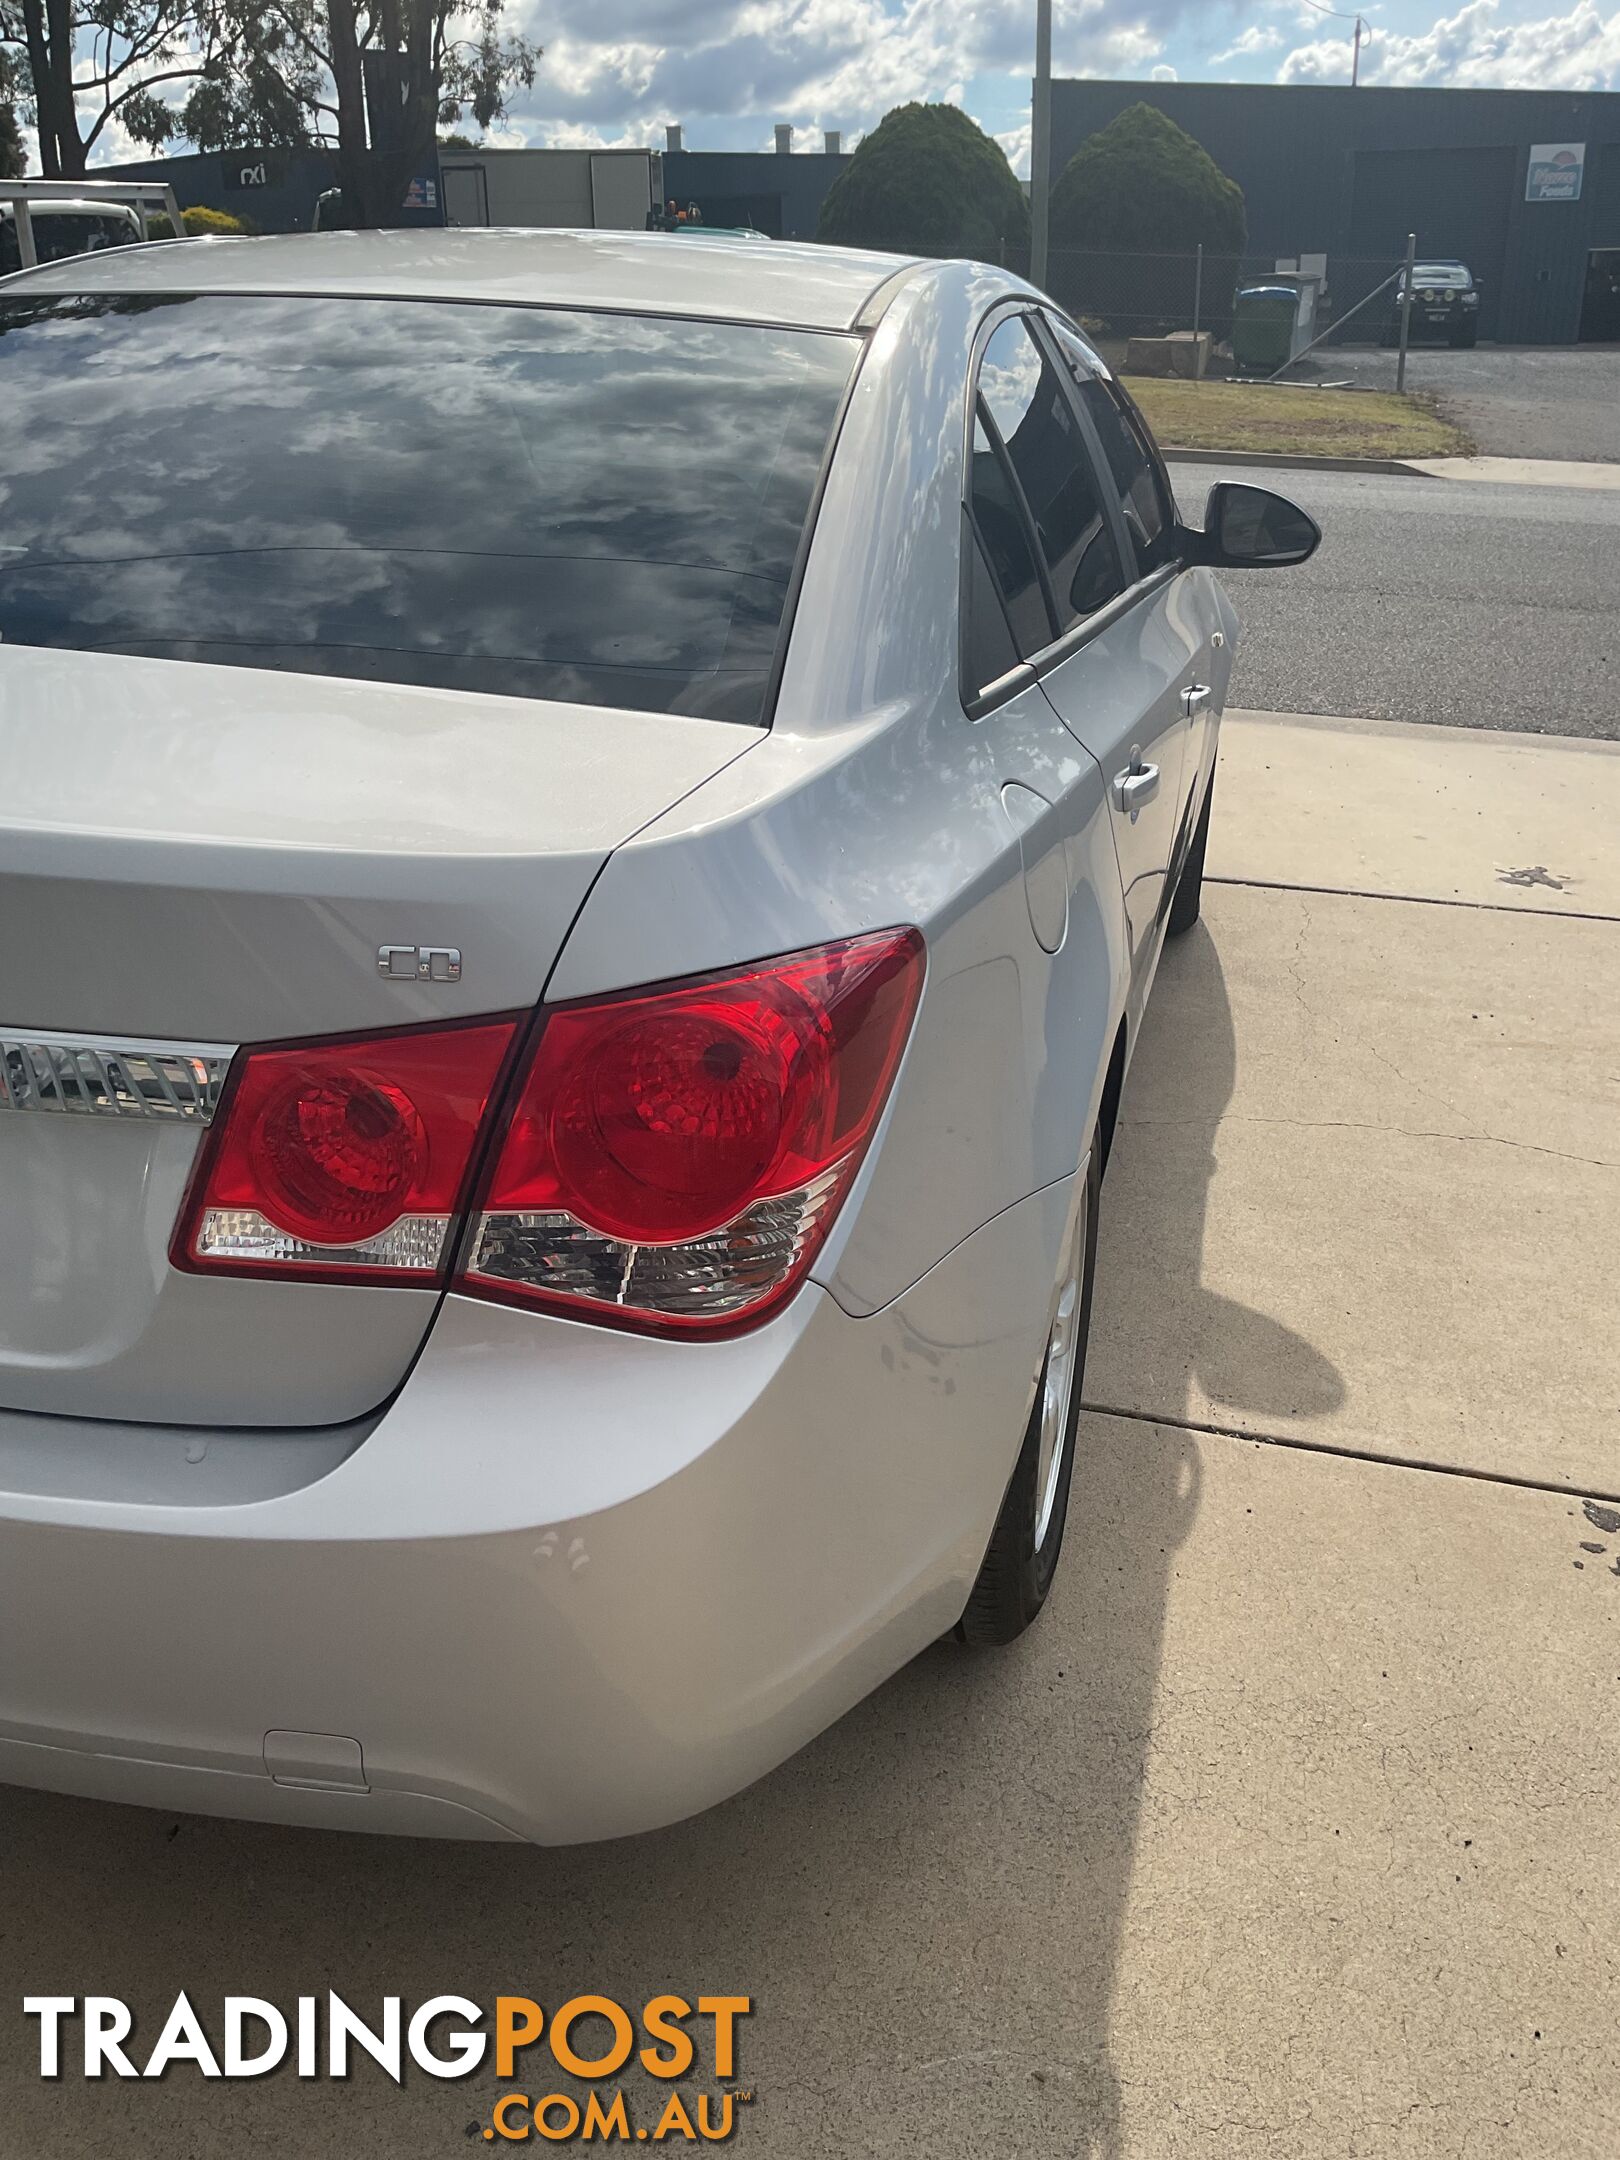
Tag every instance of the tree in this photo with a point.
(89, 60)
(926, 181)
(372, 79)
(11, 145)
(1141, 186)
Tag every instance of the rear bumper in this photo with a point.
(572, 1584)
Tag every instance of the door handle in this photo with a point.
(1195, 697)
(1136, 785)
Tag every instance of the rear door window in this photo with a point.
(1030, 409)
(601, 509)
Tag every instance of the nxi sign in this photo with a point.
(239, 174)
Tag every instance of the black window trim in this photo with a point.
(986, 419)
(1156, 456)
(1017, 678)
(1102, 471)
(1140, 429)
(1063, 647)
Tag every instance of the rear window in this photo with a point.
(603, 509)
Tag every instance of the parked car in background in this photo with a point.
(588, 829)
(62, 229)
(1445, 304)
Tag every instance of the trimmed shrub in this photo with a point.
(927, 181)
(197, 221)
(1142, 187)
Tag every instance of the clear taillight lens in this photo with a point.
(674, 1158)
(346, 1158)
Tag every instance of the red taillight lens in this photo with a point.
(348, 1157)
(675, 1157)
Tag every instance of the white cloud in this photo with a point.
(1475, 49)
(1165, 73)
(1258, 38)
(622, 68)
(115, 145)
(1015, 141)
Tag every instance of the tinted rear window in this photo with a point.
(596, 508)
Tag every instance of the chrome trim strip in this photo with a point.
(110, 1076)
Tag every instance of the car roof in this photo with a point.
(788, 283)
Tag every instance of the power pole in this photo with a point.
(1040, 144)
(1363, 34)
(1406, 310)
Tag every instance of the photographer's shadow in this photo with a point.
(1164, 1342)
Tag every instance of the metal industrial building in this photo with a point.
(1350, 172)
(779, 191)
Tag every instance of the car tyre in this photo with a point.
(1188, 899)
(1018, 1568)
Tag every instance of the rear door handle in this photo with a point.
(1136, 785)
(1195, 697)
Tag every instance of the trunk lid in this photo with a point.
(193, 858)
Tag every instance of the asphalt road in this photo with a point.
(1445, 601)
(1538, 401)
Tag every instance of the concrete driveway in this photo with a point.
(1292, 1830)
(1534, 401)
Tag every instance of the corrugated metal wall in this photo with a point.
(274, 190)
(780, 194)
(1303, 154)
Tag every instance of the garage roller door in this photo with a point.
(1456, 201)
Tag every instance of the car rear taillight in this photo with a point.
(673, 1158)
(344, 1158)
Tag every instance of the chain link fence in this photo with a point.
(1353, 307)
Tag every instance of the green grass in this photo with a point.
(1292, 423)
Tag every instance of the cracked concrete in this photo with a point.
(1437, 813)
(1368, 1157)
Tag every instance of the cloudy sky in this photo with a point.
(616, 70)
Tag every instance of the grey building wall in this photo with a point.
(781, 195)
(1350, 172)
(274, 190)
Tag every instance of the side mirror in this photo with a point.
(1249, 528)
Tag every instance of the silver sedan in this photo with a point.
(587, 828)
